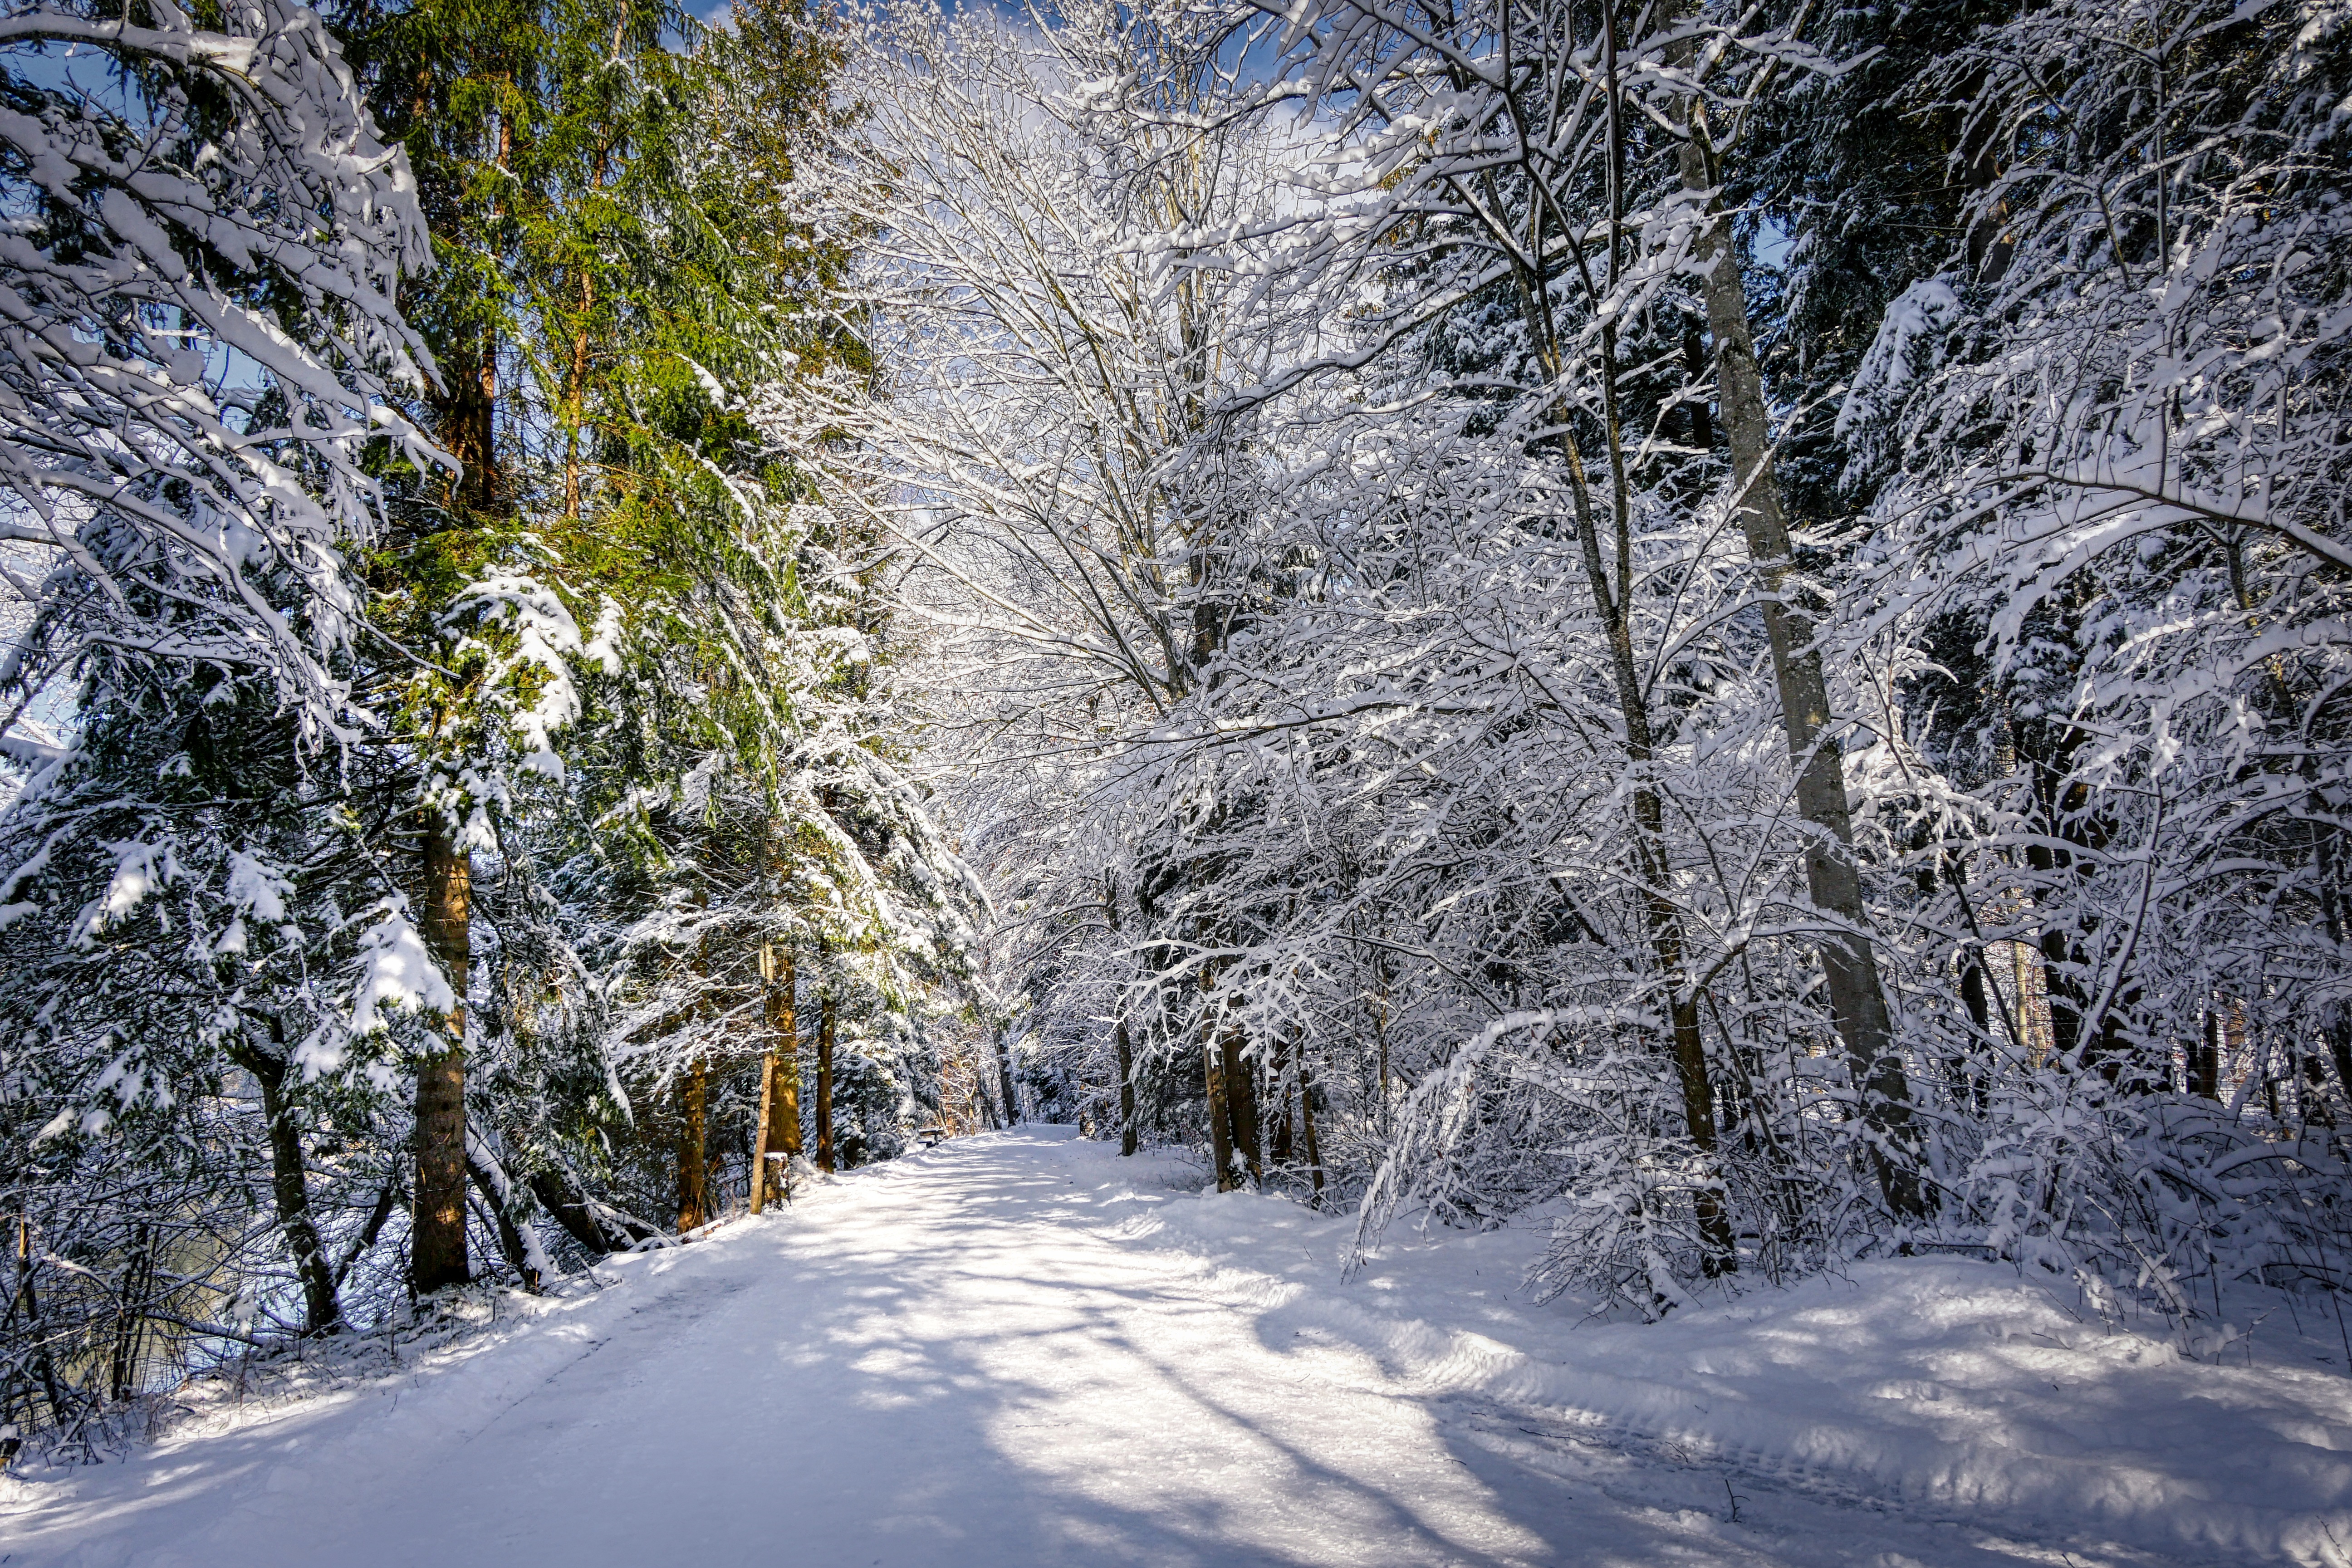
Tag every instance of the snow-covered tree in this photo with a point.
(201, 354)
(2106, 449)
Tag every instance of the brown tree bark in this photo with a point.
(779, 1136)
(693, 1135)
(1216, 1086)
(465, 421)
(1857, 1002)
(757, 1190)
(596, 1227)
(1220, 1126)
(1241, 1102)
(1306, 1122)
(1127, 1128)
(437, 1222)
(824, 1025)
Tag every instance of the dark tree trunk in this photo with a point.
(598, 1230)
(1127, 1130)
(2311, 1098)
(2338, 1026)
(1306, 1124)
(492, 1186)
(385, 1202)
(1004, 1078)
(323, 1312)
(466, 419)
(437, 1227)
(825, 1025)
(1721, 1253)
(1974, 994)
(131, 1317)
(2062, 959)
(2339, 1049)
(1124, 1042)
(33, 1335)
(1284, 1118)
(1702, 420)
(1220, 1126)
(1241, 1099)
(2205, 1061)
(693, 1135)
(1217, 1085)
(1719, 1245)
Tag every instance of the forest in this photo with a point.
(1722, 628)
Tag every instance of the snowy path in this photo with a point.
(977, 1357)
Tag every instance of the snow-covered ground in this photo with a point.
(1020, 1349)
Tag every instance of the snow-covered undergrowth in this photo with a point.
(1947, 1383)
(310, 1379)
(466, 1351)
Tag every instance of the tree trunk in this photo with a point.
(2337, 1027)
(1004, 1078)
(33, 1334)
(1124, 1042)
(757, 1191)
(1127, 1131)
(693, 1135)
(1306, 1121)
(2205, 1061)
(1719, 1248)
(323, 1312)
(780, 1090)
(1216, 1085)
(437, 1223)
(1241, 1101)
(1284, 1119)
(1702, 420)
(597, 1228)
(1857, 1002)
(385, 1202)
(131, 1317)
(465, 419)
(1220, 1126)
(491, 1183)
(825, 1025)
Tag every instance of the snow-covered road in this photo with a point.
(986, 1356)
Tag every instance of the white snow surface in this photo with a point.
(1019, 1349)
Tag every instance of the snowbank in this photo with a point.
(1949, 1386)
